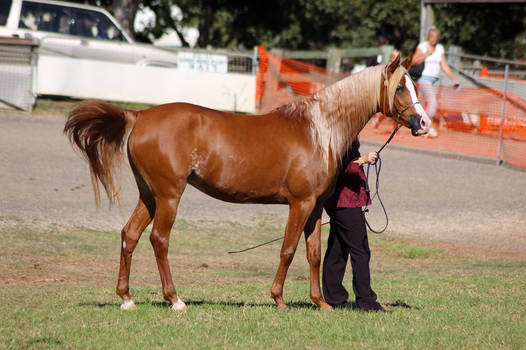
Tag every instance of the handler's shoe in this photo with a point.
(345, 305)
(376, 307)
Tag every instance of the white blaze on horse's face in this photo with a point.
(425, 121)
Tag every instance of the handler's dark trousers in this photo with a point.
(347, 236)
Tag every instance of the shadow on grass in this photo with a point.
(165, 304)
(403, 305)
(293, 305)
(43, 341)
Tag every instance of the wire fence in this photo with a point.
(477, 119)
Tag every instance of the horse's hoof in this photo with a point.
(282, 309)
(128, 305)
(179, 305)
(325, 308)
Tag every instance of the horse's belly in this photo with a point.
(240, 191)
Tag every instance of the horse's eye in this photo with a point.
(399, 88)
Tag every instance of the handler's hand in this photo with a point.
(368, 158)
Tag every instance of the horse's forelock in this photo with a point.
(392, 84)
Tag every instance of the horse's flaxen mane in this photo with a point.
(337, 113)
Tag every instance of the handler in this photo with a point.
(348, 235)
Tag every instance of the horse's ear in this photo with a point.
(393, 65)
(407, 62)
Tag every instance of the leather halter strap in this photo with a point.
(405, 109)
(385, 101)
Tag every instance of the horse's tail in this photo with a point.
(98, 130)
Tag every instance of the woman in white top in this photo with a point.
(432, 53)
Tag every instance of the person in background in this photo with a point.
(348, 235)
(433, 54)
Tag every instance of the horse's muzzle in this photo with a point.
(419, 125)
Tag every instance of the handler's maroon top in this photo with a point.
(350, 186)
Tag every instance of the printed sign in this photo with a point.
(202, 62)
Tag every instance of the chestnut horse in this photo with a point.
(291, 156)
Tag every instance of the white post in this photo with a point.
(426, 19)
(501, 130)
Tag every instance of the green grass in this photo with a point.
(49, 106)
(57, 291)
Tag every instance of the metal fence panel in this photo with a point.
(17, 73)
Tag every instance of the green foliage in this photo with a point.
(496, 30)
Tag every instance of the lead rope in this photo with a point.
(377, 169)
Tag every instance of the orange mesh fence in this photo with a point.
(281, 79)
(468, 120)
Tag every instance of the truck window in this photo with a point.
(93, 24)
(68, 20)
(5, 5)
(44, 17)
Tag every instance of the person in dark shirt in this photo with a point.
(348, 235)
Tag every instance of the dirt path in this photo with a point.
(430, 197)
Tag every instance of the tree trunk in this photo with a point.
(124, 12)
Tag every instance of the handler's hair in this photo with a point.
(430, 30)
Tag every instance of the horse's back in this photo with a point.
(233, 157)
(184, 121)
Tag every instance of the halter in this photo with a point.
(386, 103)
(398, 115)
(405, 109)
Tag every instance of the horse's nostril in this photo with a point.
(423, 123)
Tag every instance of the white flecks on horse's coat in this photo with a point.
(418, 107)
(179, 305)
(128, 305)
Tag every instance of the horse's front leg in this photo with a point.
(313, 242)
(298, 214)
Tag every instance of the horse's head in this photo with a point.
(398, 98)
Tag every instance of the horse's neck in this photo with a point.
(347, 106)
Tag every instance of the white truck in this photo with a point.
(84, 53)
(74, 30)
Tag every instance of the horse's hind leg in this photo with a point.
(313, 241)
(160, 238)
(130, 235)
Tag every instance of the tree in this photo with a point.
(221, 23)
(497, 30)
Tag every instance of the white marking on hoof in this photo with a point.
(179, 305)
(128, 305)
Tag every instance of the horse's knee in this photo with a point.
(128, 243)
(287, 255)
(159, 242)
(314, 258)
